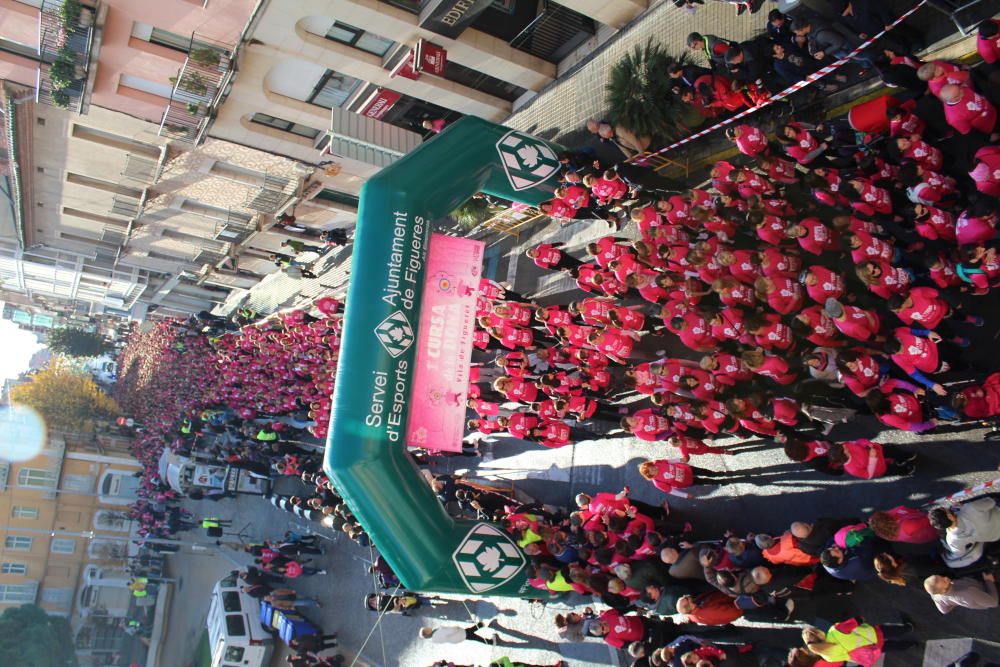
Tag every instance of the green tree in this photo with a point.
(31, 638)
(638, 92)
(473, 212)
(77, 342)
(67, 398)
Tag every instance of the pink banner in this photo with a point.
(444, 344)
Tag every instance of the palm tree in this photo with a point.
(639, 96)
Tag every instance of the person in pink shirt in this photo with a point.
(783, 294)
(940, 73)
(976, 225)
(903, 524)
(558, 209)
(915, 148)
(903, 122)
(813, 236)
(966, 110)
(648, 425)
(694, 331)
(749, 140)
(934, 223)
(770, 366)
(854, 322)
(822, 283)
(896, 404)
(673, 475)
(988, 41)
(550, 256)
(986, 171)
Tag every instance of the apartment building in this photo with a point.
(64, 531)
(117, 198)
(355, 79)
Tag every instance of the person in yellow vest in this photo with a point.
(266, 434)
(215, 522)
(855, 641)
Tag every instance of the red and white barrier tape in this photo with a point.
(970, 491)
(795, 87)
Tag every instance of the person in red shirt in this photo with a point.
(779, 170)
(800, 144)
(770, 332)
(966, 110)
(617, 629)
(883, 279)
(549, 256)
(714, 608)
(924, 307)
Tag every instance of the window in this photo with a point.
(233, 654)
(36, 478)
(231, 601)
(79, 483)
(359, 39)
(285, 125)
(333, 89)
(23, 512)
(338, 197)
(111, 520)
(18, 592)
(13, 568)
(61, 545)
(18, 543)
(235, 627)
(484, 82)
(57, 597)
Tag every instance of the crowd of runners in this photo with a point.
(829, 271)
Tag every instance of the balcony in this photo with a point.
(272, 195)
(65, 41)
(554, 33)
(198, 88)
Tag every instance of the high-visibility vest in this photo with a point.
(529, 537)
(140, 593)
(267, 436)
(848, 642)
(559, 584)
(210, 523)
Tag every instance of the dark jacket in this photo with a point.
(868, 17)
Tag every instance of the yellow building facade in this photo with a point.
(64, 531)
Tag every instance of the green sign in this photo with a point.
(365, 456)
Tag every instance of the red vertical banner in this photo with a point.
(430, 58)
(444, 344)
(405, 67)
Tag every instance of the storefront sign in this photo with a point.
(405, 68)
(425, 58)
(430, 58)
(380, 102)
(451, 17)
(444, 344)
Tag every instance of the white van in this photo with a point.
(235, 634)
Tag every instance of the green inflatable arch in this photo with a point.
(365, 455)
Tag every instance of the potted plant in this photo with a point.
(193, 108)
(62, 73)
(61, 99)
(205, 56)
(70, 12)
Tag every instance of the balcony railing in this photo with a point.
(65, 40)
(554, 33)
(274, 194)
(199, 85)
